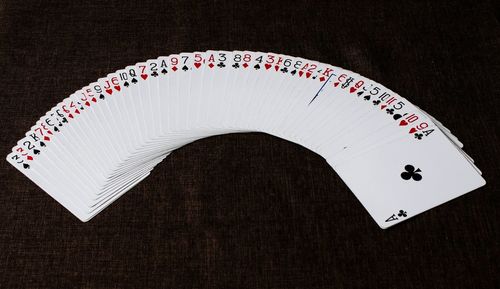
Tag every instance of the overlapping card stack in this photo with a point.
(103, 139)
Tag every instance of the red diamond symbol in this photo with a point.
(174, 68)
(245, 65)
(211, 65)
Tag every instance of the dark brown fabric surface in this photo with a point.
(251, 210)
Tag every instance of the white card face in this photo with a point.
(104, 138)
(400, 180)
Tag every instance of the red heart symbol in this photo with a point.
(144, 76)
(336, 84)
(308, 74)
(70, 115)
(174, 68)
(29, 158)
(300, 73)
(117, 87)
(46, 138)
(353, 89)
(109, 91)
(49, 132)
(93, 99)
(403, 123)
(383, 106)
(197, 65)
(77, 111)
(211, 65)
(267, 66)
(87, 103)
(412, 130)
(276, 67)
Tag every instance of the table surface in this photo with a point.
(251, 210)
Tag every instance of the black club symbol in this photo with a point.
(411, 173)
(221, 65)
(390, 111)
(402, 213)
(284, 70)
(236, 65)
(376, 102)
(419, 136)
(154, 74)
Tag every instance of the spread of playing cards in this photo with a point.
(106, 137)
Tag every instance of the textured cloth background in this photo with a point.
(251, 210)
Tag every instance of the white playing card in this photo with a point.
(402, 179)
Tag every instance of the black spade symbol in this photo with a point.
(293, 72)
(367, 97)
(257, 66)
(185, 68)
(396, 116)
(42, 144)
(101, 96)
(164, 71)
(134, 80)
(36, 152)
(126, 84)
(26, 166)
(56, 129)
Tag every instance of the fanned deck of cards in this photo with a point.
(103, 139)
